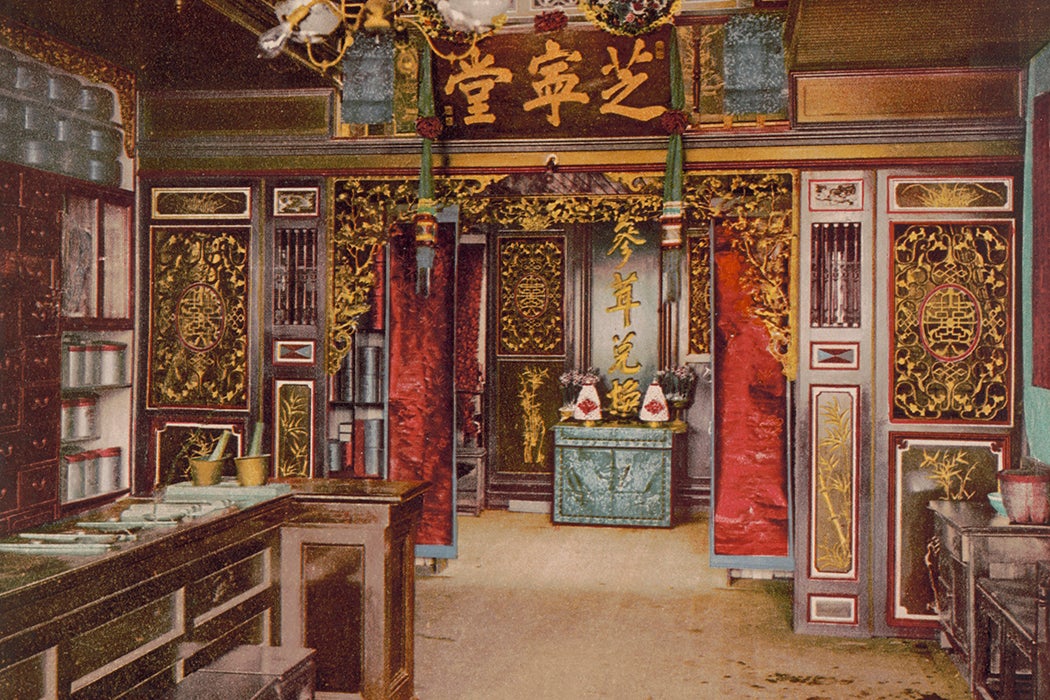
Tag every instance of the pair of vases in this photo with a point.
(252, 470)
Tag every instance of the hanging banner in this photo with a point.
(555, 84)
(625, 311)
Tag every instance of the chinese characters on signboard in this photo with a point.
(579, 84)
(625, 310)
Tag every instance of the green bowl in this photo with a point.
(996, 499)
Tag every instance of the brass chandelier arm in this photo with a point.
(450, 56)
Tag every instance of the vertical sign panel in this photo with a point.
(625, 306)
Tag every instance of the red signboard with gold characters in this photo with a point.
(579, 83)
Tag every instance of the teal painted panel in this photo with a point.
(612, 476)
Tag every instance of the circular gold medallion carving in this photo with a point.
(200, 317)
(531, 296)
(950, 322)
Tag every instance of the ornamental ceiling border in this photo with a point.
(756, 204)
(78, 62)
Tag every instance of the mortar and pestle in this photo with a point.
(254, 467)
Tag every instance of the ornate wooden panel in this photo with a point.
(531, 296)
(952, 336)
(198, 342)
(930, 467)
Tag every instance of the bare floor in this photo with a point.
(532, 610)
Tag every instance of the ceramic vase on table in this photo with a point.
(654, 406)
(588, 405)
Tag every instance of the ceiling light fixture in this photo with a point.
(311, 22)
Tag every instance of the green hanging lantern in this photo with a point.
(674, 122)
(425, 220)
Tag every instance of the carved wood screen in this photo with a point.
(365, 208)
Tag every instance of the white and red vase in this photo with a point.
(588, 404)
(654, 405)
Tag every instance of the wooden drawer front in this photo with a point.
(10, 328)
(10, 365)
(38, 486)
(10, 185)
(42, 405)
(39, 314)
(8, 228)
(26, 519)
(40, 416)
(8, 488)
(41, 192)
(10, 388)
(39, 232)
(9, 455)
(39, 443)
(10, 401)
(28, 678)
(43, 361)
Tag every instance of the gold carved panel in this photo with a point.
(198, 355)
(952, 318)
(531, 296)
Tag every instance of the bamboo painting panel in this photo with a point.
(928, 467)
(834, 482)
(530, 397)
(176, 442)
(293, 418)
(198, 315)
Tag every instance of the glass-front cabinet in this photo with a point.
(97, 338)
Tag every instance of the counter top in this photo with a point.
(978, 516)
(29, 573)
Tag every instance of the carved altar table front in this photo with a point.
(613, 475)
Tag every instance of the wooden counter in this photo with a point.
(137, 619)
(976, 543)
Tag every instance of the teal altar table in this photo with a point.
(613, 475)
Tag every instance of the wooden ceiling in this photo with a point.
(211, 44)
(856, 34)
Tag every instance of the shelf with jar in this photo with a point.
(96, 415)
(357, 411)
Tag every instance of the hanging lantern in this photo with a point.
(425, 225)
(425, 219)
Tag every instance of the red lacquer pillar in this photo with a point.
(421, 390)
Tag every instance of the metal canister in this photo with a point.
(91, 474)
(83, 419)
(74, 476)
(109, 469)
(111, 363)
(75, 364)
(67, 418)
(92, 358)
